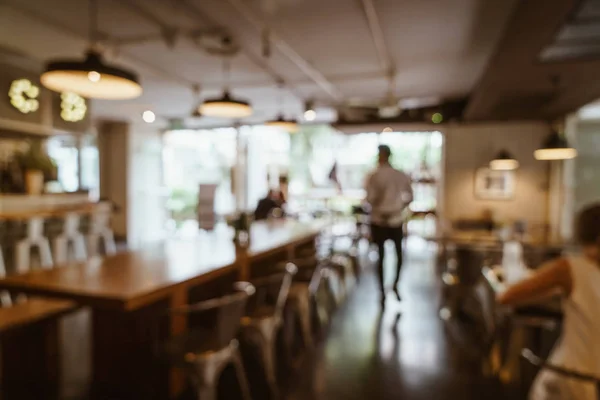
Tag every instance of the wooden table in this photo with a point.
(129, 290)
(30, 360)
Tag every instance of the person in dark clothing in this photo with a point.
(266, 205)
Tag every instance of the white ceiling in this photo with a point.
(440, 48)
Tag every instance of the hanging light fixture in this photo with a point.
(289, 125)
(504, 161)
(225, 106)
(310, 114)
(555, 147)
(196, 110)
(91, 77)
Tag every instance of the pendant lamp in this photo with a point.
(289, 125)
(196, 109)
(504, 161)
(91, 77)
(555, 147)
(225, 106)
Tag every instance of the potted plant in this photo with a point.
(37, 167)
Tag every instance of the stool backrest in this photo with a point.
(228, 311)
(100, 218)
(272, 291)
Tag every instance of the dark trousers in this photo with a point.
(380, 235)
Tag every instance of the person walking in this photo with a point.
(389, 192)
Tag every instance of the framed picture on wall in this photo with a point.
(494, 185)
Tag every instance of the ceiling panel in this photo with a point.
(194, 64)
(440, 47)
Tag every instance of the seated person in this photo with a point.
(578, 277)
(267, 204)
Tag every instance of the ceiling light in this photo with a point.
(309, 111)
(289, 125)
(555, 147)
(310, 115)
(94, 76)
(91, 77)
(225, 107)
(504, 161)
(148, 116)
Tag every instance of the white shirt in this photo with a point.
(578, 348)
(389, 191)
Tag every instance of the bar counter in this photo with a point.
(23, 207)
(127, 291)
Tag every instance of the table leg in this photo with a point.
(178, 325)
(30, 362)
(126, 363)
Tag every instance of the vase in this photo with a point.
(34, 182)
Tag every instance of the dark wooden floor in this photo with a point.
(401, 353)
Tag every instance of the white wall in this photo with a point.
(469, 147)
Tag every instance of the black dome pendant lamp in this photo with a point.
(91, 77)
(555, 147)
(288, 125)
(225, 106)
(504, 161)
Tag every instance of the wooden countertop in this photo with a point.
(31, 311)
(132, 279)
(484, 238)
(47, 212)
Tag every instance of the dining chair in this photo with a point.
(318, 279)
(301, 297)
(540, 363)
(478, 331)
(264, 317)
(204, 352)
(70, 235)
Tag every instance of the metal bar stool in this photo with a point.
(5, 300)
(264, 317)
(70, 234)
(35, 238)
(100, 230)
(205, 352)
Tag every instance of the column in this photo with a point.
(113, 148)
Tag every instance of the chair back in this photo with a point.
(469, 261)
(272, 291)
(228, 311)
(486, 297)
(306, 267)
